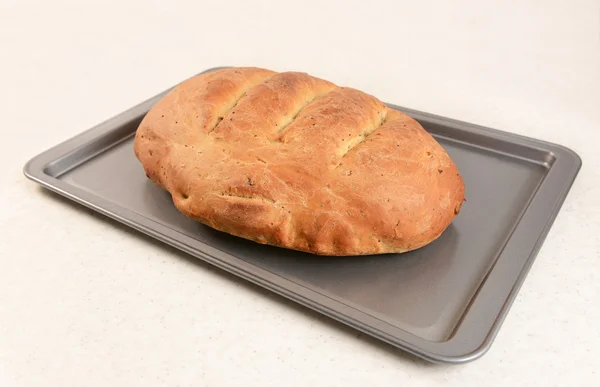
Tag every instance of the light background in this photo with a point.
(85, 302)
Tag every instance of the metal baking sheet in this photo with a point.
(444, 302)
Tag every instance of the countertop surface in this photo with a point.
(86, 302)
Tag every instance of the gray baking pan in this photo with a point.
(444, 302)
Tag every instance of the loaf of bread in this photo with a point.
(294, 161)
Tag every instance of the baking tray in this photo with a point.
(444, 302)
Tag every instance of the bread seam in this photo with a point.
(231, 195)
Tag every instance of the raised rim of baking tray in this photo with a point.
(488, 307)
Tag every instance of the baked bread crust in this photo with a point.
(294, 161)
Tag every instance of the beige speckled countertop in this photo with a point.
(85, 302)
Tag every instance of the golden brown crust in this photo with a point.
(295, 161)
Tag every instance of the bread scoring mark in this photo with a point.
(243, 92)
(229, 108)
(307, 102)
(362, 136)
